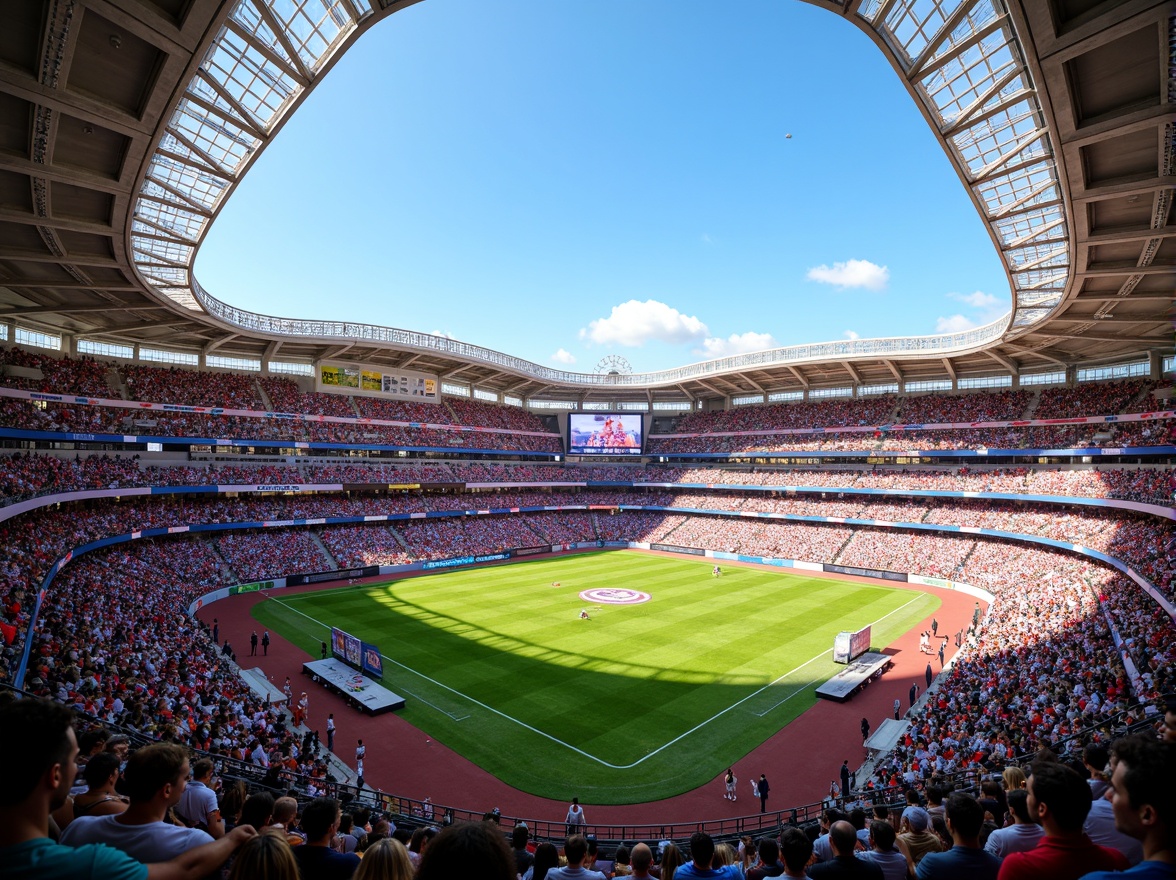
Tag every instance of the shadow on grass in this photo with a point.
(555, 723)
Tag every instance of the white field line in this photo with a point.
(406, 690)
(588, 755)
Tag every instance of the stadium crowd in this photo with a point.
(29, 474)
(115, 641)
(211, 389)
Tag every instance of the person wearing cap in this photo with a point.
(915, 832)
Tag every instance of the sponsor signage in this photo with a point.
(670, 548)
(865, 572)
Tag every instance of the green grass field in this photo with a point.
(639, 703)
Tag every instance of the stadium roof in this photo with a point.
(125, 124)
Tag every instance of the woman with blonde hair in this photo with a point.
(265, 857)
(724, 855)
(1013, 778)
(387, 859)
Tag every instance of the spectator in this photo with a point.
(100, 797)
(640, 860)
(965, 860)
(1022, 836)
(769, 861)
(155, 779)
(472, 849)
(266, 857)
(41, 733)
(916, 835)
(884, 853)
(1143, 780)
(1059, 800)
(671, 860)
(844, 865)
(796, 851)
(576, 853)
(285, 817)
(198, 806)
(547, 858)
(387, 859)
(1168, 727)
(519, 836)
(320, 823)
(258, 810)
(702, 853)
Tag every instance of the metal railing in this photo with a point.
(942, 345)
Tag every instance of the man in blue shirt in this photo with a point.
(965, 860)
(702, 851)
(320, 822)
(41, 733)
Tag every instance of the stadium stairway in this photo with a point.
(114, 382)
(228, 569)
(261, 685)
(666, 536)
(1031, 407)
(400, 540)
(332, 565)
(263, 397)
(844, 543)
(542, 537)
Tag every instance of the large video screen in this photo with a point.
(604, 433)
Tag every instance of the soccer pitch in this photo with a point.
(638, 703)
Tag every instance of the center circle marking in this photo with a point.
(614, 596)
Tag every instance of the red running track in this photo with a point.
(799, 761)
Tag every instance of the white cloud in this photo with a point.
(977, 299)
(954, 324)
(852, 273)
(634, 323)
(736, 343)
(852, 334)
(985, 308)
(444, 334)
(706, 239)
(564, 357)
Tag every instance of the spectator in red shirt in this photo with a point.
(1059, 800)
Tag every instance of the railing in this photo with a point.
(941, 344)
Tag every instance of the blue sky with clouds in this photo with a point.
(564, 180)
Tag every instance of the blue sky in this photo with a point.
(566, 180)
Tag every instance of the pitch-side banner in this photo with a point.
(373, 662)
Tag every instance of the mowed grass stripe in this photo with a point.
(619, 687)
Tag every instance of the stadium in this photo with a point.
(521, 585)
